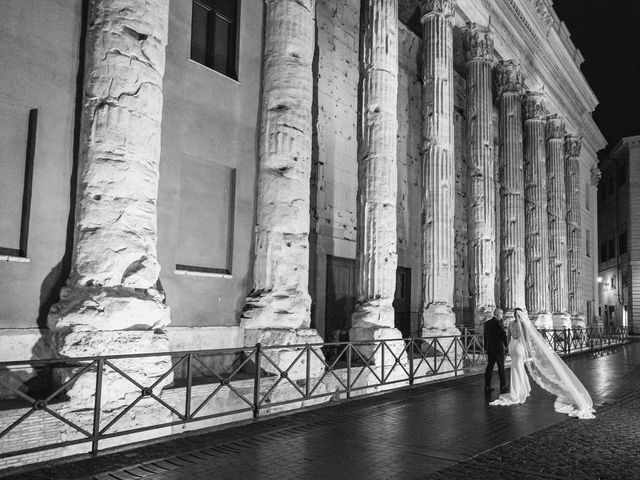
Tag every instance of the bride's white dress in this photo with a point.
(527, 347)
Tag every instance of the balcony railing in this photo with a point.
(56, 407)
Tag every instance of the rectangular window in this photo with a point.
(17, 151)
(588, 245)
(214, 42)
(206, 222)
(587, 197)
(613, 281)
(612, 248)
(622, 243)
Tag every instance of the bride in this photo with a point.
(546, 368)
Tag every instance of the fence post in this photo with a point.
(308, 374)
(97, 407)
(410, 353)
(349, 370)
(383, 345)
(256, 383)
(455, 356)
(187, 405)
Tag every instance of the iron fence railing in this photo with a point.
(91, 401)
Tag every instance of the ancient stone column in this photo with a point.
(377, 171)
(557, 213)
(573, 144)
(112, 303)
(536, 221)
(509, 84)
(438, 168)
(277, 311)
(478, 48)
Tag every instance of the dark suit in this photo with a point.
(495, 342)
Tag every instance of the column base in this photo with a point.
(578, 321)
(542, 320)
(439, 321)
(373, 351)
(561, 321)
(286, 358)
(262, 310)
(374, 314)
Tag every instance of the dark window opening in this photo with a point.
(214, 35)
(588, 245)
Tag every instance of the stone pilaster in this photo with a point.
(439, 168)
(277, 311)
(573, 144)
(557, 213)
(536, 219)
(509, 85)
(377, 171)
(112, 303)
(478, 48)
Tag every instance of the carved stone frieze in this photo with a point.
(478, 42)
(596, 174)
(555, 127)
(535, 105)
(508, 77)
(446, 8)
(573, 145)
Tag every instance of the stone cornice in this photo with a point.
(445, 8)
(478, 43)
(508, 77)
(573, 145)
(555, 127)
(534, 105)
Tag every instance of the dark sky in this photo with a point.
(607, 32)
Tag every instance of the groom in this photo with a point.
(495, 342)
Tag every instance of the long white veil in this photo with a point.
(549, 371)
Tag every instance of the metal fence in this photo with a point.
(85, 404)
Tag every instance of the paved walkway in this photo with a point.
(437, 431)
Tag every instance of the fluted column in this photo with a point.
(557, 214)
(438, 168)
(277, 311)
(377, 173)
(536, 219)
(112, 303)
(573, 144)
(478, 48)
(509, 84)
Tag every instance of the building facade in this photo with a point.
(203, 173)
(617, 241)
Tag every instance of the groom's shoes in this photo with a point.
(504, 389)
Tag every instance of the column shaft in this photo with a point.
(478, 46)
(377, 166)
(111, 304)
(574, 227)
(439, 167)
(509, 82)
(536, 219)
(557, 212)
(280, 297)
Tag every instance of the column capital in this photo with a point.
(509, 77)
(478, 43)
(573, 144)
(535, 105)
(445, 8)
(555, 127)
(596, 175)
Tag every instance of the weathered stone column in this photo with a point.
(377, 171)
(509, 84)
(112, 303)
(573, 144)
(277, 311)
(478, 48)
(438, 168)
(536, 221)
(557, 214)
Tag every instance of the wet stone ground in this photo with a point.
(445, 430)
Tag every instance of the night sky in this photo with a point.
(607, 32)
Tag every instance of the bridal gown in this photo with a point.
(528, 347)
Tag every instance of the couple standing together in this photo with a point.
(527, 347)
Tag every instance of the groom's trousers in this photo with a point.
(492, 359)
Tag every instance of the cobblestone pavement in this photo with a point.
(437, 431)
